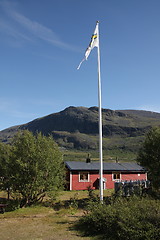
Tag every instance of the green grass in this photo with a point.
(36, 224)
(83, 194)
(125, 149)
(45, 223)
(108, 155)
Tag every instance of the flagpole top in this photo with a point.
(97, 22)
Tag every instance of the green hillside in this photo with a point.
(75, 129)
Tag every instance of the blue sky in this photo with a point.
(42, 43)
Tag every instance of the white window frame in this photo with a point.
(118, 179)
(70, 181)
(83, 172)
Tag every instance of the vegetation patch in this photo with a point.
(126, 219)
(30, 168)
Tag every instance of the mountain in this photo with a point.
(77, 127)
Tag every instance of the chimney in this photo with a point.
(88, 160)
(117, 161)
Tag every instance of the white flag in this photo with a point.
(93, 43)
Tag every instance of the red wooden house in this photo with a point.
(81, 175)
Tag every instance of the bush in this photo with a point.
(149, 156)
(31, 167)
(128, 219)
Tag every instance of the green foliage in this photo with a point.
(74, 202)
(5, 152)
(123, 219)
(75, 140)
(35, 167)
(149, 156)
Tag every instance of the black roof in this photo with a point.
(107, 166)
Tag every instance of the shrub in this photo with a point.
(129, 219)
(31, 167)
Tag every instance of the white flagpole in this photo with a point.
(95, 43)
(100, 122)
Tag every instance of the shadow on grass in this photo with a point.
(80, 204)
(76, 204)
(63, 222)
(10, 204)
(73, 226)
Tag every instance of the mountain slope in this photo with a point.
(77, 127)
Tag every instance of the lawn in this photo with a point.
(45, 223)
(38, 223)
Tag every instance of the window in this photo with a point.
(84, 177)
(116, 176)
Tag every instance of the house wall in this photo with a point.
(77, 185)
(124, 176)
(94, 180)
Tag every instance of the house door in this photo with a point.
(96, 183)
